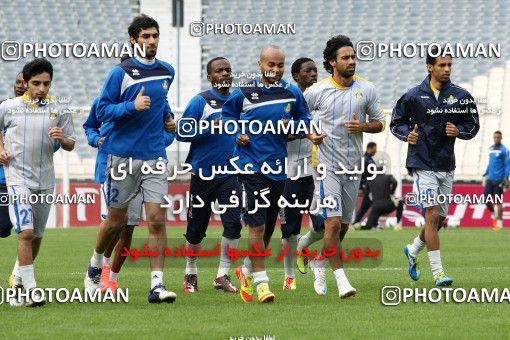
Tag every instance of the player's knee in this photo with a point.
(232, 231)
(257, 231)
(26, 236)
(157, 221)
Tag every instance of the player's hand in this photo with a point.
(170, 124)
(412, 137)
(451, 130)
(142, 102)
(5, 157)
(100, 142)
(354, 125)
(56, 133)
(243, 140)
(315, 138)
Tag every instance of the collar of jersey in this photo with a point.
(338, 86)
(32, 105)
(219, 95)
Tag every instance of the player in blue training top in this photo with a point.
(210, 150)
(496, 178)
(134, 98)
(96, 133)
(5, 223)
(270, 99)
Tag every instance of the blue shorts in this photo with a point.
(209, 191)
(290, 218)
(262, 216)
(493, 188)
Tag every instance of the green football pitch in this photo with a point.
(474, 258)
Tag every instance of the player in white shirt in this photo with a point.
(34, 123)
(346, 106)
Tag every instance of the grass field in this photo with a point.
(472, 257)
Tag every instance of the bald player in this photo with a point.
(268, 99)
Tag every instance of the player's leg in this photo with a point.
(366, 203)
(255, 219)
(107, 260)
(124, 238)
(201, 191)
(290, 219)
(349, 190)
(22, 217)
(445, 181)
(498, 197)
(231, 220)
(154, 188)
(488, 191)
(120, 190)
(373, 216)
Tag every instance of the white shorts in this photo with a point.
(344, 192)
(122, 186)
(431, 183)
(135, 206)
(27, 216)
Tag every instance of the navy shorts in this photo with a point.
(5, 221)
(493, 188)
(262, 216)
(209, 191)
(291, 218)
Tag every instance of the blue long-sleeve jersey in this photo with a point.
(94, 130)
(434, 150)
(266, 104)
(207, 150)
(499, 163)
(136, 134)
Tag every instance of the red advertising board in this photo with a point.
(81, 215)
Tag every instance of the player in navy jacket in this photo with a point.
(430, 117)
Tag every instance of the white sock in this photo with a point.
(416, 246)
(96, 260)
(113, 276)
(289, 259)
(15, 271)
(341, 278)
(107, 261)
(247, 267)
(260, 277)
(500, 223)
(191, 261)
(435, 262)
(309, 238)
(225, 260)
(318, 263)
(156, 278)
(27, 276)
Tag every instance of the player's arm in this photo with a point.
(188, 124)
(310, 96)
(64, 132)
(400, 125)
(507, 164)
(91, 127)
(231, 110)
(376, 118)
(469, 125)
(300, 112)
(109, 108)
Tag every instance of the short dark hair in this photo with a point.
(209, 63)
(332, 47)
(140, 23)
(498, 132)
(434, 50)
(296, 66)
(371, 145)
(35, 67)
